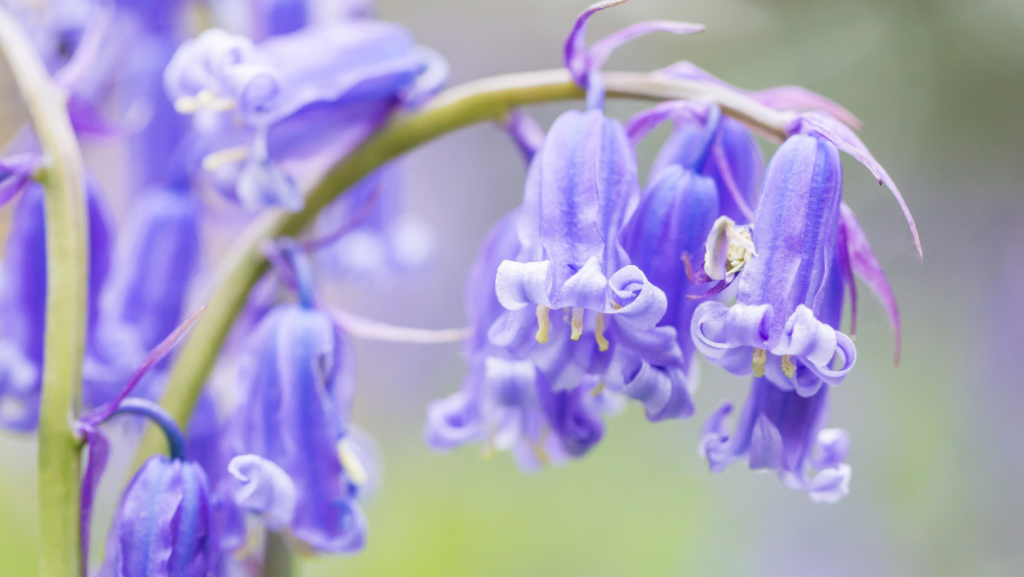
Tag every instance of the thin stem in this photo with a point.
(490, 99)
(66, 264)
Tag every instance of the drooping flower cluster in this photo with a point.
(593, 289)
(593, 293)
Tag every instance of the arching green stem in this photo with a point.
(490, 99)
(66, 263)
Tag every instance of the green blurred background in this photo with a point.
(936, 443)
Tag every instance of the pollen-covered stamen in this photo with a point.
(215, 160)
(543, 324)
(758, 362)
(602, 343)
(596, 392)
(353, 465)
(788, 368)
(204, 99)
(728, 248)
(577, 323)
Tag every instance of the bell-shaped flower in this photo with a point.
(673, 218)
(297, 377)
(304, 98)
(775, 328)
(783, 430)
(23, 301)
(164, 523)
(504, 402)
(154, 264)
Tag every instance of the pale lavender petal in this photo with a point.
(642, 123)
(519, 284)
(265, 490)
(830, 485)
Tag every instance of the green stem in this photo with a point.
(490, 99)
(66, 263)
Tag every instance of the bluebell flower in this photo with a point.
(297, 378)
(144, 298)
(23, 301)
(504, 402)
(304, 98)
(775, 329)
(581, 188)
(784, 430)
(164, 524)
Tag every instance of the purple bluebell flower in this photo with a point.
(581, 188)
(709, 144)
(23, 301)
(775, 328)
(164, 524)
(143, 300)
(297, 378)
(674, 216)
(504, 402)
(258, 106)
(783, 430)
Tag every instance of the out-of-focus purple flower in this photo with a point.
(144, 298)
(23, 301)
(304, 98)
(775, 328)
(297, 378)
(366, 233)
(164, 524)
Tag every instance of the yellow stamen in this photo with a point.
(543, 324)
(204, 99)
(602, 343)
(538, 448)
(577, 324)
(354, 469)
(788, 367)
(215, 160)
(760, 358)
(598, 389)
